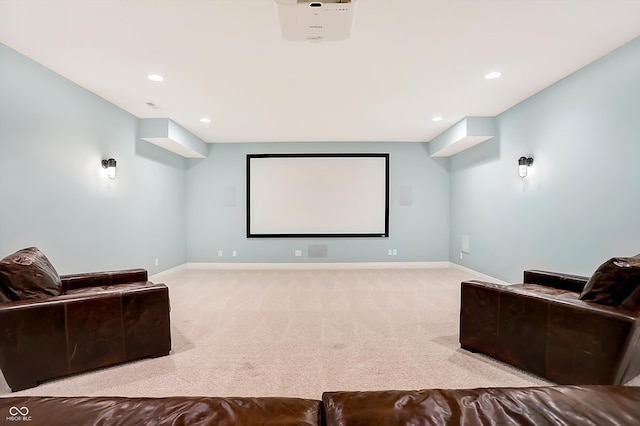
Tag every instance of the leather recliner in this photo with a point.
(565, 328)
(52, 326)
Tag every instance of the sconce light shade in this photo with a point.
(523, 164)
(110, 165)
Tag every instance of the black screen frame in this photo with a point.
(251, 234)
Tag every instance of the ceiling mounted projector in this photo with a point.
(304, 20)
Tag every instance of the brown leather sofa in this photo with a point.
(560, 405)
(52, 326)
(566, 328)
(535, 406)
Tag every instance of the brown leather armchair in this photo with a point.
(566, 328)
(54, 326)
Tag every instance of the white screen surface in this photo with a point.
(309, 195)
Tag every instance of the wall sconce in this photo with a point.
(110, 165)
(523, 164)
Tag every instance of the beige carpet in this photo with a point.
(299, 333)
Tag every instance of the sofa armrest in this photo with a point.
(79, 332)
(567, 341)
(103, 279)
(26, 328)
(557, 280)
(479, 314)
(591, 343)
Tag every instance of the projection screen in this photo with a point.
(317, 195)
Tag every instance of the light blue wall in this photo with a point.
(54, 193)
(419, 232)
(580, 205)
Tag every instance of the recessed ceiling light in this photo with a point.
(492, 75)
(155, 77)
(205, 120)
(437, 118)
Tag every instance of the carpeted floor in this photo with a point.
(301, 332)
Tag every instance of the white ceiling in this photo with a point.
(405, 62)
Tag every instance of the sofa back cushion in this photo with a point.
(613, 282)
(544, 405)
(175, 410)
(28, 274)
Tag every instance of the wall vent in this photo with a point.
(318, 250)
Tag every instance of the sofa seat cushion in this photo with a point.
(28, 274)
(613, 281)
(192, 411)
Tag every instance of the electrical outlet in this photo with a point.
(395, 252)
(461, 255)
(298, 253)
(234, 253)
(157, 261)
(219, 253)
(390, 252)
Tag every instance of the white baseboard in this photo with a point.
(159, 275)
(325, 266)
(310, 266)
(483, 276)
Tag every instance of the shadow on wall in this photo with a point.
(152, 152)
(442, 162)
(483, 153)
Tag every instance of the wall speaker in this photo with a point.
(229, 196)
(406, 196)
